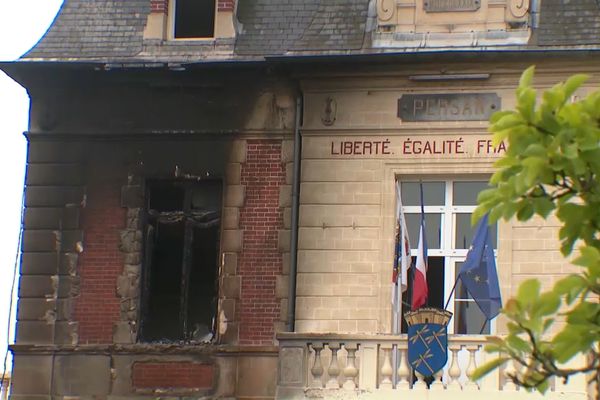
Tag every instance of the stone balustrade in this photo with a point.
(371, 366)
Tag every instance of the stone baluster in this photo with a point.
(350, 372)
(386, 367)
(437, 383)
(509, 369)
(403, 370)
(317, 367)
(472, 349)
(334, 369)
(454, 372)
(420, 384)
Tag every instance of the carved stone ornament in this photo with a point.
(329, 112)
(385, 9)
(519, 8)
(434, 6)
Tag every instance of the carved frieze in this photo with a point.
(451, 5)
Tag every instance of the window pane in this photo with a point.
(202, 292)
(194, 18)
(163, 275)
(433, 194)
(460, 292)
(463, 235)
(432, 229)
(468, 318)
(165, 196)
(465, 193)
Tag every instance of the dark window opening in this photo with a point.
(179, 296)
(435, 287)
(194, 19)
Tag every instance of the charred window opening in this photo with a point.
(179, 297)
(194, 19)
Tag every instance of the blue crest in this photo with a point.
(428, 340)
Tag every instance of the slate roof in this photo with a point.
(113, 30)
(277, 27)
(95, 29)
(569, 22)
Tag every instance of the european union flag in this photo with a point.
(478, 272)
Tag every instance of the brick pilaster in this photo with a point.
(225, 5)
(97, 308)
(260, 262)
(159, 6)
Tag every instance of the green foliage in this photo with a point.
(551, 166)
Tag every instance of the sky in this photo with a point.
(22, 24)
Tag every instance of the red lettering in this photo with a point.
(384, 147)
(347, 147)
(332, 150)
(376, 147)
(480, 144)
(415, 149)
(501, 147)
(427, 147)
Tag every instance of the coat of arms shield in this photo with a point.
(428, 340)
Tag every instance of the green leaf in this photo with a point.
(527, 77)
(543, 386)
(589, 256)
(525, 212)
(584, 313)
(518, 344)
(566, 344)
(543, 206)
(570, 284)
(573, 83)
(529, 291)
(488, 367)
(547, 304)
(536, 150)
(485, 195)
(526, 103)
(506, 122)
(512, 306)
(497, 116)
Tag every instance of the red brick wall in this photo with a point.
(159, 6)
(155, 375)
(97, 307)
(260, 262)
(225, 5)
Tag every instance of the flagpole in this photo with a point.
(483, 327)
(420, 266)
(451, 293)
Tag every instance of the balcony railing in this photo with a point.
(361, 366)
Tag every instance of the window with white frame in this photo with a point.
(193, 19)
(448, 205)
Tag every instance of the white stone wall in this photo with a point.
(347, 200)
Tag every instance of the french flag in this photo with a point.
(419, 294)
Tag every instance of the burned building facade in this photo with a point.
(210, 197)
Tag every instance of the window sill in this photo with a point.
(145, 349)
